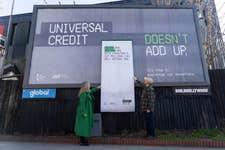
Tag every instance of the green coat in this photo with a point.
(84, 123)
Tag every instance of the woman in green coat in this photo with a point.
(84, 116)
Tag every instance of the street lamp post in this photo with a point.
(10, 20)
(45, 1)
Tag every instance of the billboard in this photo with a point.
(66, 44)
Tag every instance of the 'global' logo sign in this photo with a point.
(39, 93)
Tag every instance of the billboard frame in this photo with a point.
(205, 83)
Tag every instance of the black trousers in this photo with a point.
(150, 123)
(83, 139)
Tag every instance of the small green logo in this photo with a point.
(109, 49)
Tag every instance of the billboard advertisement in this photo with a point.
(117, 67)
(66, 44)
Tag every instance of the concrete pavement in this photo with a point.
(4, 145)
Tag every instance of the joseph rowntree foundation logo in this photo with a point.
(112, 49)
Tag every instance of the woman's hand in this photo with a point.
(99, 87)
(84, 115)
(135, 78)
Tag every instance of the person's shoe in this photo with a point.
(87, 144)
(150, 137)
(84, 144)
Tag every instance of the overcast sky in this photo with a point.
(25, 6)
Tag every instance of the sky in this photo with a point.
(26, 6)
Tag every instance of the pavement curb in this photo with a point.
(114, 141)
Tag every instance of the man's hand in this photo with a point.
(135, 78)
(148, 110)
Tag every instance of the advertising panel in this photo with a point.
(66, 45)
(117, 83)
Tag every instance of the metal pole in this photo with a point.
(45, 1)
(9, 23)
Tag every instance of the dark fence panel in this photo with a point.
(56, 116)
(9, 102)
(4, 91)
(171, 111)
(217, 79)
(48, 116)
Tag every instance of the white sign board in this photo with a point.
(117, 84)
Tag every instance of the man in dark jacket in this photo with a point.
(147, 105)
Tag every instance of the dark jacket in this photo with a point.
(147, 97)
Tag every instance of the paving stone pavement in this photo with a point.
(4, 145)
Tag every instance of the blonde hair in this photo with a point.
(148, 79)
(85, 88)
